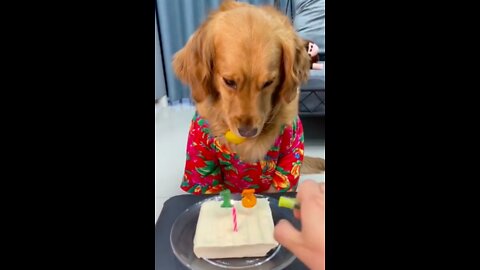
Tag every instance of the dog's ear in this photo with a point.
(295, 59)
(193, 64)
(296, 66)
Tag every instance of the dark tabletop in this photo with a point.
(172, 208)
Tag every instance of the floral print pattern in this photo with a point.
(210, 167)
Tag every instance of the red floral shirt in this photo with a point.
(210, 167)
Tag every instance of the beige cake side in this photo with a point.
(215, 238)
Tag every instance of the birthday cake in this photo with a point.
(218, 235)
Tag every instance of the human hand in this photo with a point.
(317, 66)
(309, 243)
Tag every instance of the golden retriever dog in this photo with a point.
(244, 66)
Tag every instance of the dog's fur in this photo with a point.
(257, 49)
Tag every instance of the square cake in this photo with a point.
(215, 237)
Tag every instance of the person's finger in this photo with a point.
(287, 235)
(309, 188)
(313, 213)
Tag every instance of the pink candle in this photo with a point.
(234, 213)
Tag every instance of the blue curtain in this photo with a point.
(160, 87)
(177, 20)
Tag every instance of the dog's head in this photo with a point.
(246, 60)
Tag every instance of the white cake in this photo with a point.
(215, 238)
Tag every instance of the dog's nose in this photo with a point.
(247, 131)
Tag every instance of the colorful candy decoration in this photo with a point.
(248, 198)
(227, 196)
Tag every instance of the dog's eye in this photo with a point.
(230, 83)
(265, 85)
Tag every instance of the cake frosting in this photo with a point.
(215, 237)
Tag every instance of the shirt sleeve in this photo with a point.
(287, 171)
(202, 173)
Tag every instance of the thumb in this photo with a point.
(287, 235)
